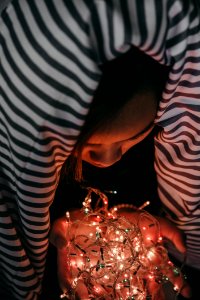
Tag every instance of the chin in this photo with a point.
(100, 165)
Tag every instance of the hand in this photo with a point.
(59, 239)
(170, 232)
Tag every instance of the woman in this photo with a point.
(121, 116)
(50, 57)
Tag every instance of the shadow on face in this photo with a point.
(126, 129)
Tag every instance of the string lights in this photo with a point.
(112, 257)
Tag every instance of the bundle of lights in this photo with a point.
(112, 257)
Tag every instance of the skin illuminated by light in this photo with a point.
(134, 122)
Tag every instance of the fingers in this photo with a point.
(156, 290)
(82, 291)
(178, 240)
(172, 233)
(180, 285)
(61, 269)
(66, 280)
(58, 233)
(186, 290)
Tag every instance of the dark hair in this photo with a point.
(122, 78)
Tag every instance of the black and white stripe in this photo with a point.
(50, 52)
(178, 145)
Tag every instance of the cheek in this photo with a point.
(126, 146)
(129, 144)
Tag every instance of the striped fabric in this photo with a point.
(50, 52)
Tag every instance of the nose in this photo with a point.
(105, 157)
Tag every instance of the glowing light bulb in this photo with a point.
(112, 257)
(176, 288)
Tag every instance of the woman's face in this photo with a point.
(134, 122)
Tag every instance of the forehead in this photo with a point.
(133, 118)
